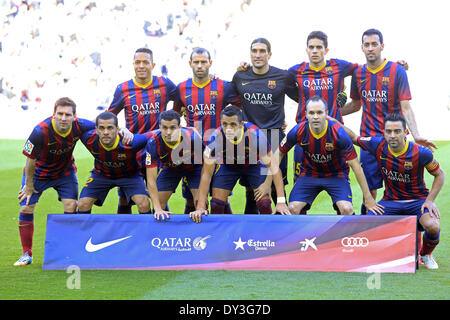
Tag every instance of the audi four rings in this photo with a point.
(357, 242)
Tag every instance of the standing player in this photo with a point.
(262, 89)
(401, 164)
(142, 98)
(238, 149)
(202, 99)
(328, 152)
(115, 165)
(50, 164)
(172, 153)
(380, 87)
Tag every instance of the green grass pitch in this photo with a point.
(31, 282)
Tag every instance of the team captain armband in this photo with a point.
(432, 166)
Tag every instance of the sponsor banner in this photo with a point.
(232, 242)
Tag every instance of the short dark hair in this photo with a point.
(106, 116)
(395, 117)
(65, 102)
(145, 50)
(232, 110)
(169, 115)
(316, 99)
(371, 32)
(200, 51)
(262, 40)
(318, 35)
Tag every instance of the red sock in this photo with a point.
(428, 244)
(217, 206)
(26, 230)
(264, 206)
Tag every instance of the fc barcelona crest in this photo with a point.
(157, 93)
(121, 156)
(213, 94)
(408, 165)
(385, 81)
(272, 84)
(329, 70)
(329, 146)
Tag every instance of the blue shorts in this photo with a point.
(120, 192)
(298, 160)
(168, 179)
(97, 187)
(225, 177)
(66, 187)
(403, 208)
(371, 170)
(306, 189)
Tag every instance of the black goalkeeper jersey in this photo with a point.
(263, 95)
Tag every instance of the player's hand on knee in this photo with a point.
(282, 208)
(432, 209)
(162, 214)
(376, 208)
(196, 215)
(26, 193)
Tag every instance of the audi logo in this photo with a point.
(355, 242)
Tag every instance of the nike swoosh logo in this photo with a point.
(188, 96)
(129, 97)
(50, 143)
(362, 80)
(245, 83)
(383, 158)
(304, 144)
(90, 247)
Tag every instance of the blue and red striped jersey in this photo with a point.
(402, 172)
(142, 104)
(204, 103)
(326, 154)
(326, 82)
(247, 150)
(380, 92)
(53, 150)
(119, 161)
(183, 156)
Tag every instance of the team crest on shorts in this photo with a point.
(157, 93)
(408, 165)
(329, 70)
(272, 84)
(385, 81)
(329, 146)
(28, 147)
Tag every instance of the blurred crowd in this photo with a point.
(83, 49)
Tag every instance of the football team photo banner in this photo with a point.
(232, 242)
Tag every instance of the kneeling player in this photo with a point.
(172, 153)
(402, 164)
(238, 149)
(115, 166)
(328, 151)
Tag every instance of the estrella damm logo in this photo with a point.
(329, 146)
(272, 84)
(157, 93)
(329, 70)
(408, 165)
(213, 94)
(385, 81)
